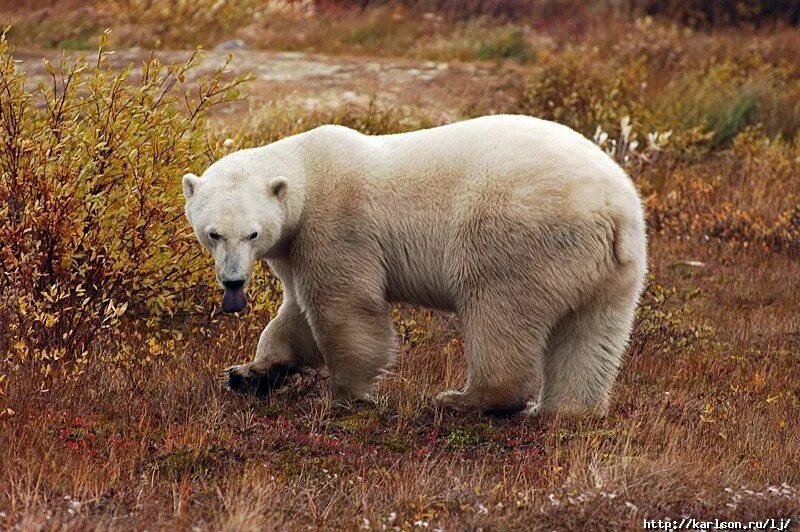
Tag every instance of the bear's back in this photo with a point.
(533, 162)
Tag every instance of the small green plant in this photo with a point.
(664, 325)
(506, 43)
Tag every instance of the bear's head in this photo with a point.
(239, 215)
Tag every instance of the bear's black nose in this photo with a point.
(233, 285)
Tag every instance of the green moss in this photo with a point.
(290, 462)
(469, 437)
(600, 435)
(193, 462)
(363, 419)
(268, 411)
(396, 444)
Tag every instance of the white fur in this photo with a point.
(527, 230)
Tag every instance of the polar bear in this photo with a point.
(524, 228)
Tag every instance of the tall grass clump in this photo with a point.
(728, 97)
(90, 200)
(573, 90)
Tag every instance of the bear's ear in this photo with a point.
(190, 184)
(279, 186)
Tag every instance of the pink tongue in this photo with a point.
(233, 300)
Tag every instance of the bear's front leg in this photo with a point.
(286, 345)
(357, 341)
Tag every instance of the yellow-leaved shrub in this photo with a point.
(91, 206)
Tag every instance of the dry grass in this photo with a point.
(696, 426)
(139, 432)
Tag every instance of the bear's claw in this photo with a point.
(245, 379)
(465, 402)
(456, 400)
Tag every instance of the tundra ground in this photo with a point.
(139, 431)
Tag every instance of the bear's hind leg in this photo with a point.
(505, 352)
(584, 355)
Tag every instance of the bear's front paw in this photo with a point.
(252, 380)
(456, 400)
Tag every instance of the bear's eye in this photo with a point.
(252, 236)
(214, 236)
